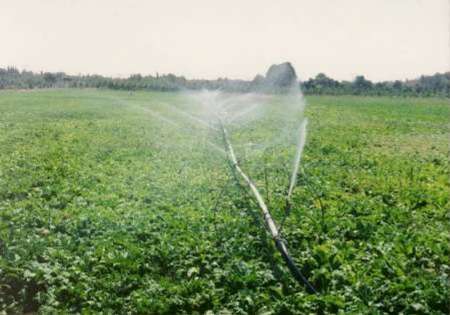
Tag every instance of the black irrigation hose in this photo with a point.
(295, 271)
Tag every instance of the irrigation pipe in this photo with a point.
(270, 223)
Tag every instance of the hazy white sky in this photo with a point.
(382, 39)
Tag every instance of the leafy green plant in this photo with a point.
(105, 208)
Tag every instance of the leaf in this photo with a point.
(192, 271)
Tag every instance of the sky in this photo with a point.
(380, 39)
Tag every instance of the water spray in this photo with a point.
(298, 156)
(176, 125)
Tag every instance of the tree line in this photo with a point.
(432, 85)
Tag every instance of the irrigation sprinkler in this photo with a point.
(236, 168)
(270, 223)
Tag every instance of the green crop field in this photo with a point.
(115, 202)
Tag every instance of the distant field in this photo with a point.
(115, 202)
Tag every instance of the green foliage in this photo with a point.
(434, 85)
(279, 81)
(106, 209)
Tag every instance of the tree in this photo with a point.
(360, 85)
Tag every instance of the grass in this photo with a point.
(107, 208)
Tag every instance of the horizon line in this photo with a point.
(158, 74)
